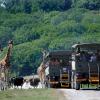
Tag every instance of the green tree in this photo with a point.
(27, 6)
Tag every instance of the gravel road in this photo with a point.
(71, 94)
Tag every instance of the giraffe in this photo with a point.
(5, 64)
(41, 73)
(41, 70)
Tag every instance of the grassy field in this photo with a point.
(35, 94)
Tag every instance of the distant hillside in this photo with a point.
(35, 25)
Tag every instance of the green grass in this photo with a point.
(35, 94)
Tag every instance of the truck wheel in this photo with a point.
(58, 85)
(77, 87)
(69, 85)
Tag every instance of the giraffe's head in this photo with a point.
(10, 43)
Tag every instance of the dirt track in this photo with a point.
(71, 94)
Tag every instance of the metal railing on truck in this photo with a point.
(94, 73)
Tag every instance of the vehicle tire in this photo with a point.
(59, 85)
(69, 85)
(77, 86)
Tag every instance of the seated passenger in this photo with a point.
(57, 62)
(98, 55)
(88, 56)
(83, 56)
(93, 58)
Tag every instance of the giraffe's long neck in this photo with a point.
(7, 57)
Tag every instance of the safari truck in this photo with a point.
(58, 71)
(85, 65)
